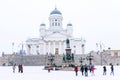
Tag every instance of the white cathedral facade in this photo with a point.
(53, 39)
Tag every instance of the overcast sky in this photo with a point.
(97, 21)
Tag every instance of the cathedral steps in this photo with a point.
(41, 60)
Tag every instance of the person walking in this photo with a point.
(82, 70)
(86, 70)
(49, 68)
(76, 70)
(112, 70)
(92, 70)
(14, 67)
(20, 68)
(104, 70)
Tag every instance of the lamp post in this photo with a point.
(46, 55)
(100, 46)
(90, 58)
(22, 52)
(51, 59)
(81, 60)
(64, 58)
(12, 47)
(82, 46)
(74, 49)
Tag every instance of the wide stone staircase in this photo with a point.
(41, 60)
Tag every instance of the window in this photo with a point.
(52, 24)
(37, 46)
(58, 24)
(55, 24)
(116, 54)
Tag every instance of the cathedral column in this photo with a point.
(44, 48)
(49, 47)
(29, 49)
(60, 43)
(64, 47)
(54, 47)
(33, 49)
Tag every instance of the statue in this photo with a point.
(68, 43)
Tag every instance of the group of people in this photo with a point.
(105, 70)
(84, 69)
(20, 68)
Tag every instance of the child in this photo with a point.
(104, 70)
(14, 66)
(92, 69)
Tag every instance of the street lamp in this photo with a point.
(90, 58)
(22, 52)
(100, 45)
(74, 49)
(64, 58)
(81, 60)
(82, 48)
(46, 55)
(51, 59)
(12, 47)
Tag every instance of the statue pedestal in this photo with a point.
(68, 51)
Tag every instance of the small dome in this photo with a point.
(42, 24)
(55, 11)
(69, 24)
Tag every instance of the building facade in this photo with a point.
(53, 39)
(115, 53)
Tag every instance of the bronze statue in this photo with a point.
(68, 43)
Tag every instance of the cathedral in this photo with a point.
(53, 39)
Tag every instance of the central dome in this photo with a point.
(55, 11)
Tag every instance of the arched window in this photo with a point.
(58, 24)
(52, 24)
(55, 24)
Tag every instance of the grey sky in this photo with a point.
(95, 20)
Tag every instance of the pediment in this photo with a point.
(56, 36)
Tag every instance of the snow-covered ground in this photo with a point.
(37, 73)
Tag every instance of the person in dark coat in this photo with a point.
(76, 69)
(82, 69)
(20, 68)
(86, 70)
(112, 70)
(104, 70)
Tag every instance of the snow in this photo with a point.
(37, 73)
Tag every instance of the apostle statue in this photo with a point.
(68, 43)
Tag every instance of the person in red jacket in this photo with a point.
(49, 68)
(76, 70)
